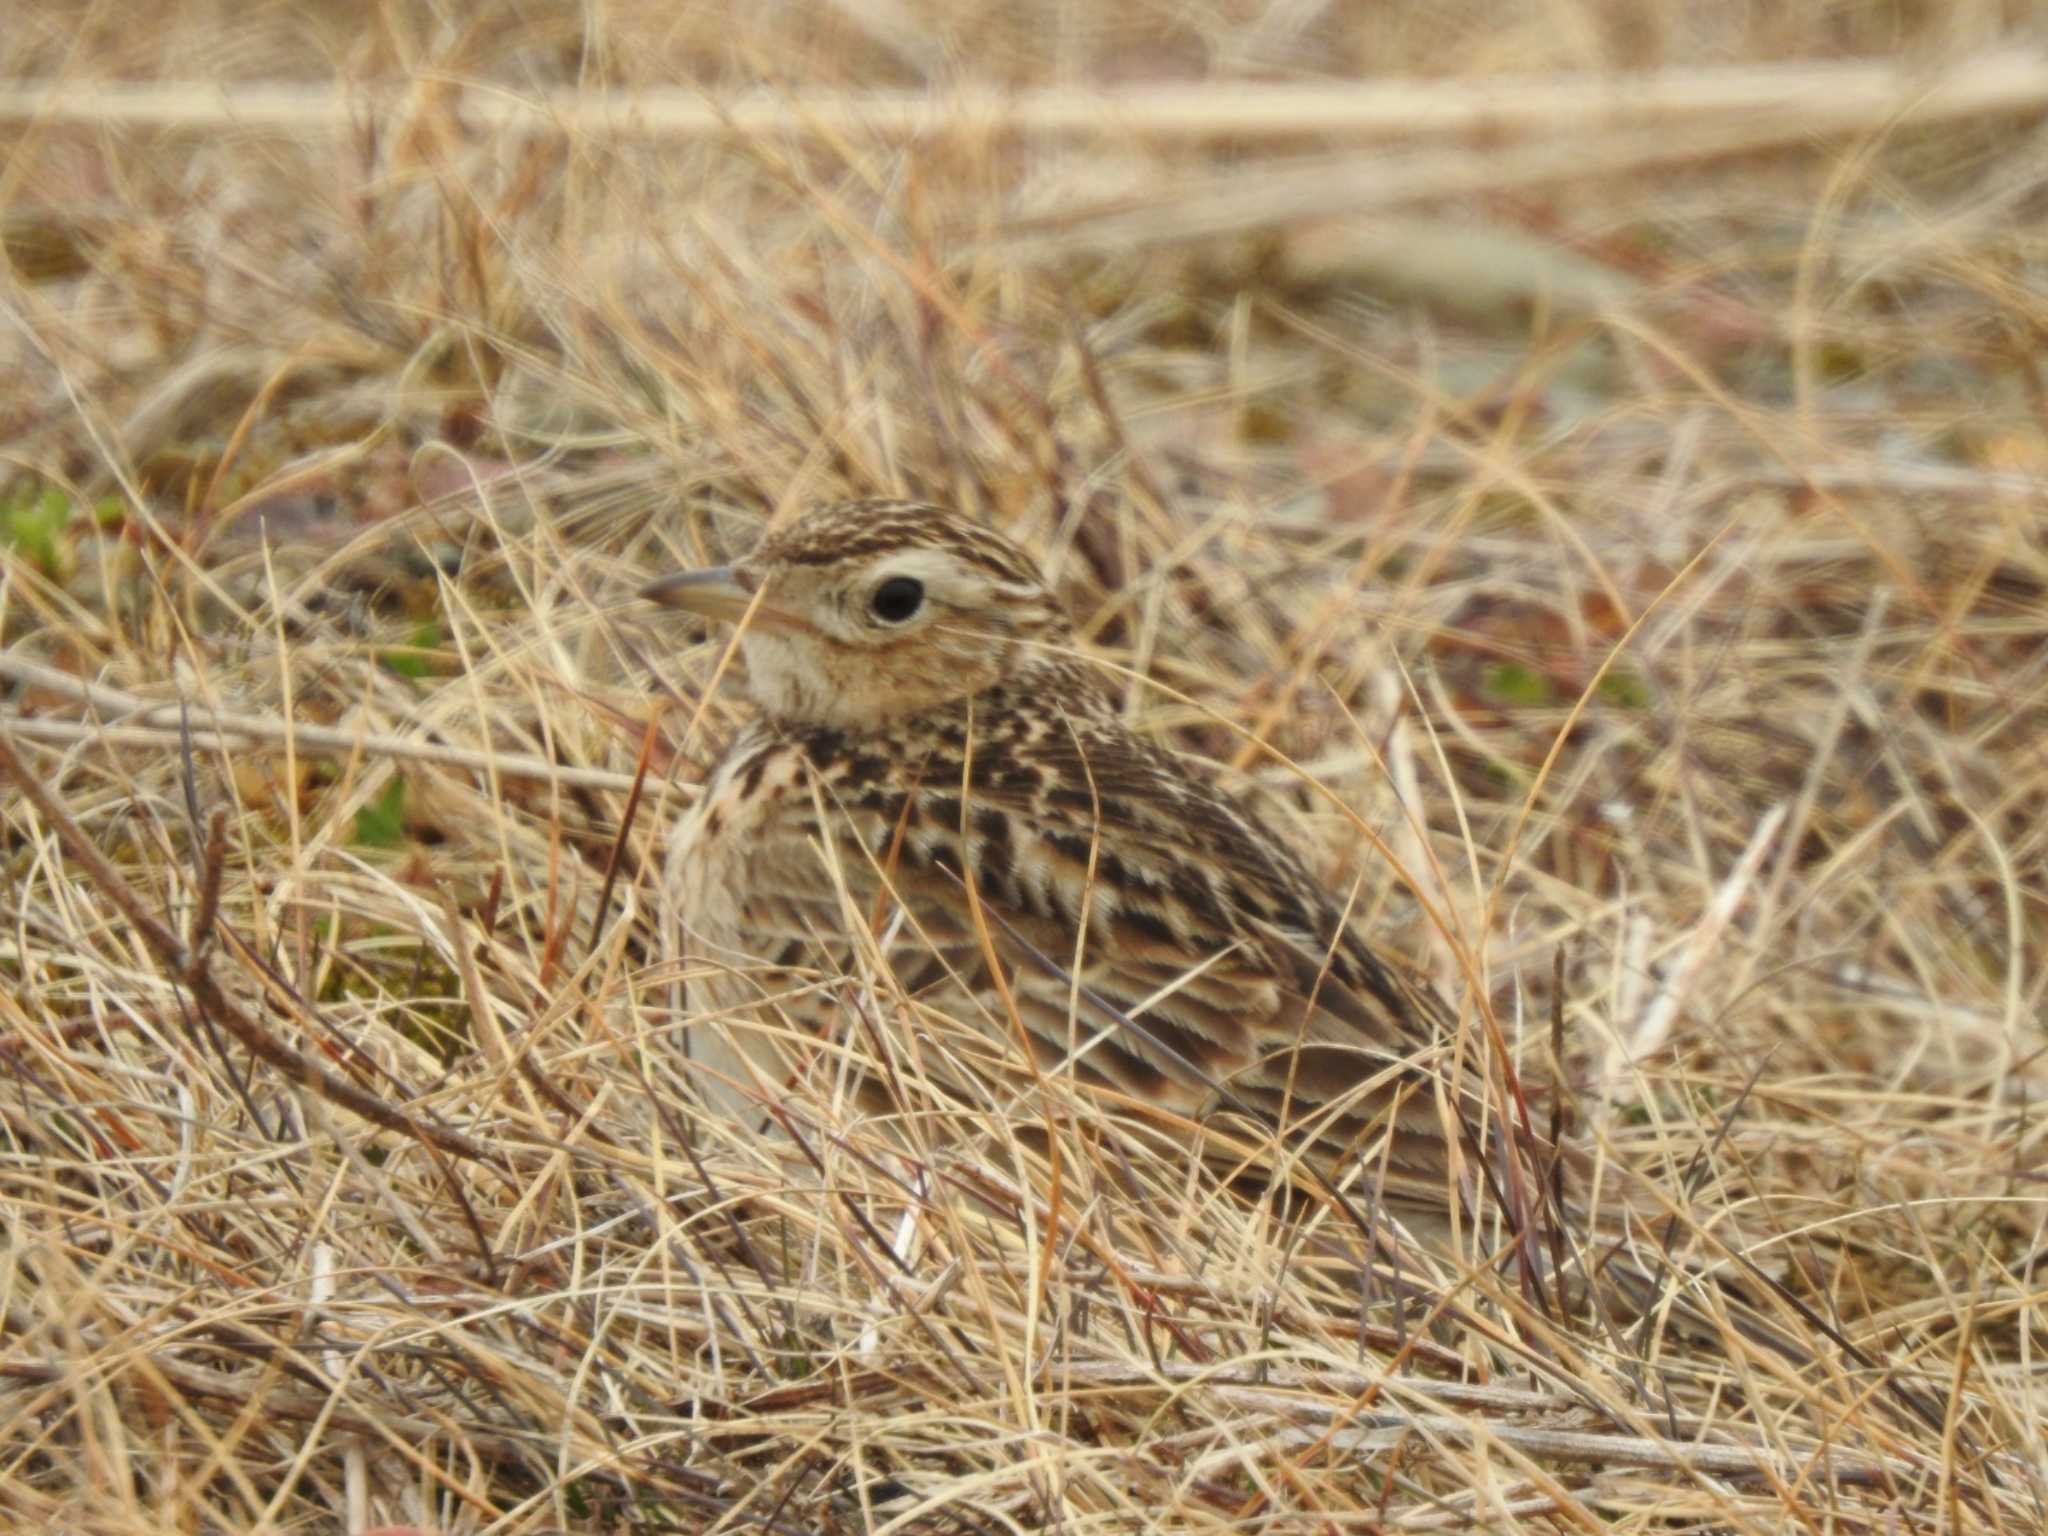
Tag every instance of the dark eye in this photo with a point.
(896, 599)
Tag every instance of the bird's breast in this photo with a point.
(728, 844)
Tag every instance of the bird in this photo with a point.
(930, 738)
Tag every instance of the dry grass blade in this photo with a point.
(1852, 94)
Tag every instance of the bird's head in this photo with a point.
(863, 613)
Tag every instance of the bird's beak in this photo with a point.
(717, 592)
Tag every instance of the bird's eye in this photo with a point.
(897, 599)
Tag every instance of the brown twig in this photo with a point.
(187, 965)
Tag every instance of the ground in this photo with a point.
(1582, 477)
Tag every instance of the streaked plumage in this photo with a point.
(967, 742)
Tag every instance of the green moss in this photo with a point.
(380, 822)
(419, 657)
(33, 521)
(1624, 690)
(1511, 683)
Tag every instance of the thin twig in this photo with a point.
(136, 725)
(188, 967)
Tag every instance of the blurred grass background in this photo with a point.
(1601, 445)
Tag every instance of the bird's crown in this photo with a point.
(850, 531)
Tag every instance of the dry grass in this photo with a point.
(1636, 533)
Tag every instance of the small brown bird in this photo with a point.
(931, 739)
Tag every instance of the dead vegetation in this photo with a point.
(1632, 526)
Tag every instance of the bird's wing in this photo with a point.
(1213, 968)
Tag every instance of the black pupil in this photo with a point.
(897, 598)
